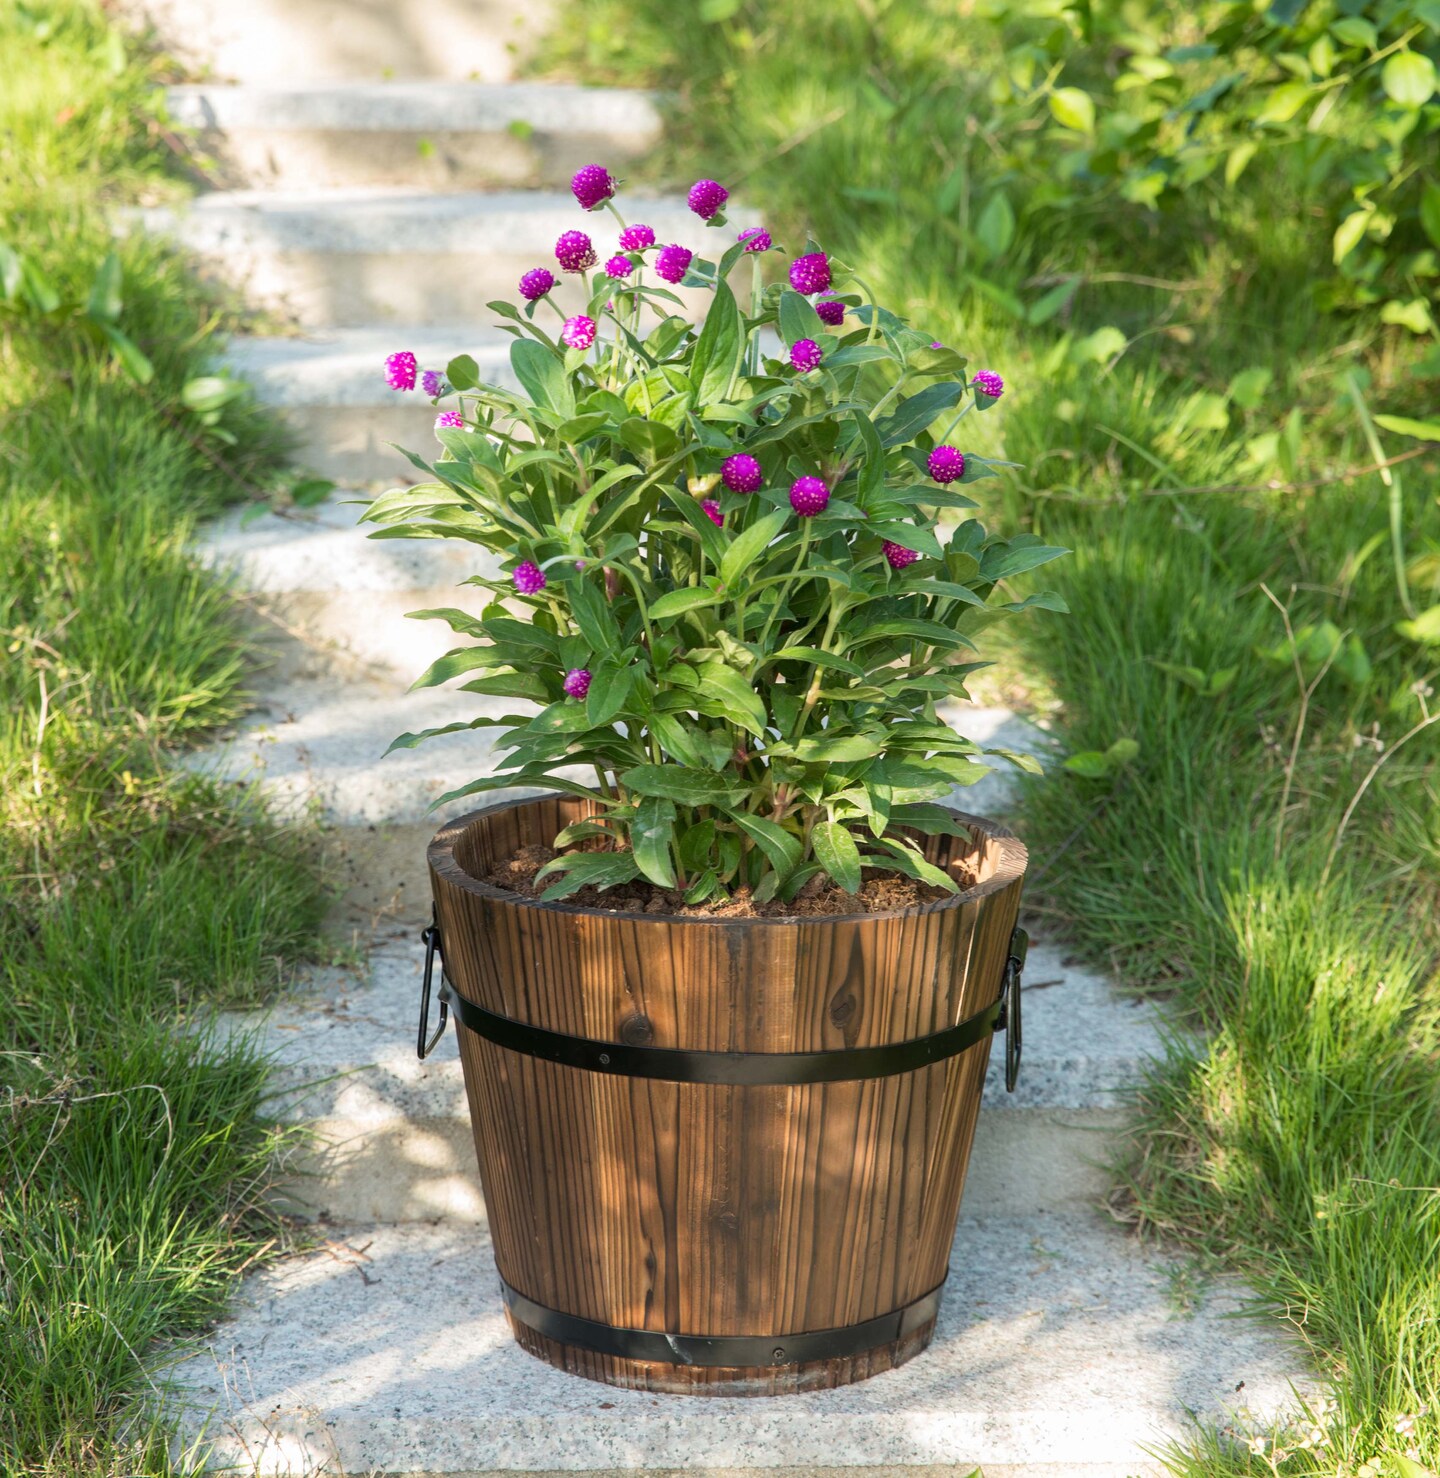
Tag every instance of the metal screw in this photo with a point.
(604, 1059)
(779, 1355)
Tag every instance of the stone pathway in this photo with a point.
(380, 203)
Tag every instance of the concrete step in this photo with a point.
(1060, 1351)
(439, 135)
(331, 387)
(362, 257)
(393, 1133)
(276, 41)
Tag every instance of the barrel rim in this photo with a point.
(1010, 864)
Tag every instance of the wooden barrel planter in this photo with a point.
(722, 1156)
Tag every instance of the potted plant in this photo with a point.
(725, 990)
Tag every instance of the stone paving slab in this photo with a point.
(361, 256)
(1059, 1350)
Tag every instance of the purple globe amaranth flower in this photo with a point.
(575, 252)
(830, 311)
(805, 355)
(673, 262)
(810, 273)
(619, 267)
(936, 344)
(809, 496)
(898, 555)
(756, 238)
(536, 283)
(400, 371)
(711, 509)
(637, 238)
(706, 198)
(432, 382)
(578, 332)
(946, 464)
(987, 382)
(577, 682)
(741, 473)
(592, 186)
(529, 578)
(453, 419)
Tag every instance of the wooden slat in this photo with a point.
(716, 1209)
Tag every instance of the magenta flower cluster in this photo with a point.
(578, 332)
(830, 311)
(452, 419)
(575, 252)
(673, 262)
(741, 473)
(898, 555)
(946, 464)
(711, 509)
(757, 238)
(987, 382)
(805, 355)
(536, 283)
(619, 267)
(577, 682)
(592, 186)
(637, 238)
(400, 370)
(433, 384)
(809, 496)
(529, 578)
(707, 198)
(810, 273)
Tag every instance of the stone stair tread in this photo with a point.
(346, 366)
(405, 222)
(1059, 1350)
(431, 106)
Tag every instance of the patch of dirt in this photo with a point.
(880, 892)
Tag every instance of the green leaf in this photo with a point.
(1074, 108)
(719, 349)
(909, 860)
(105, 301)
(995, 226)
(676, 602)
(609, 692)
(452, 664)
(651, 441)
(836, 749)
(463, 373)
(1425, 628)
(680, 783)
(128, 352)
(1408, 78)
(782, 850)
(1404, 426)
(588, 869)
(723, 693)
(915, 414)
(651, 833)
(836, 852)
(1284, 102)
(747, 547)
(1348, 234)
(798, 320)
(1430, 211)
(1002, 561)
(542, 373)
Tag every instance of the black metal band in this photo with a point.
(729, 1350)
(747, 1069)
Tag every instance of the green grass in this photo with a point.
(133, 898)
(1302, 1145)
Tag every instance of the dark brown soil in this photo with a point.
(880, 892)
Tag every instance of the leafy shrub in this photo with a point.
(1156, 103)
(740, 609)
